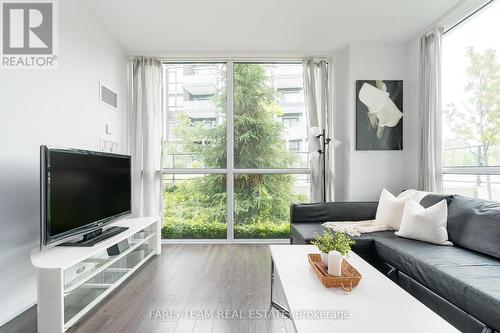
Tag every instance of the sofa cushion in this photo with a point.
(432, 199)
(332, 211)
(303, 233)
(475, 224)
(465, 278)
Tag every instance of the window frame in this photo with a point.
(472, 170)
(230, 171)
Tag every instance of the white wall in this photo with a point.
(342, 128)
(55, 107)
(412, 97)
(361, 175)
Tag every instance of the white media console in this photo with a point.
(72, 280)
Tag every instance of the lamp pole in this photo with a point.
(323, 142)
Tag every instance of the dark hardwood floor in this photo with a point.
(189, 288)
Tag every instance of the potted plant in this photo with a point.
(332, 241)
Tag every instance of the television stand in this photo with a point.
(96, 236)
(73, 280)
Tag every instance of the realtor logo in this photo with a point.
(28, 34)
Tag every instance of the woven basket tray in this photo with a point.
(349, 279)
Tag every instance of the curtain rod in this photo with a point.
(263, 59)
(467, 17)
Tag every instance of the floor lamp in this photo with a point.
(323, 143)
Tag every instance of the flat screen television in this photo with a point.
(81, 191)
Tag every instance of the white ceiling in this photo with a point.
(235, 27)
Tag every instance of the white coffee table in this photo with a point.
(376, 305)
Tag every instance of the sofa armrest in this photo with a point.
(332, 211)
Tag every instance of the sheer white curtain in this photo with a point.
(430, 173)
(319, 117)
(145, 135)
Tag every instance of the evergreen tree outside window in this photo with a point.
(266, 175)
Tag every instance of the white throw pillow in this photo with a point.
(390, 210)
(413, 194)
(425, 224)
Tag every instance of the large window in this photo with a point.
(232, 166)
(471, 106)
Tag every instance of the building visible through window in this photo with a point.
(291, 96)
(290, 120)
(294, 146)
(210, 122)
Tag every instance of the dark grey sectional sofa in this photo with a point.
(460, 283)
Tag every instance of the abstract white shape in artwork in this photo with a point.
(382, 112)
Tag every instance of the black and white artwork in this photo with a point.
(379, 115)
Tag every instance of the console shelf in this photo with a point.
(72, 280)
(101, 265)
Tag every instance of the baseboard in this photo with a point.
(225, 241)
(13, 309)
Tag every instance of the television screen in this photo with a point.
(83, 189)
